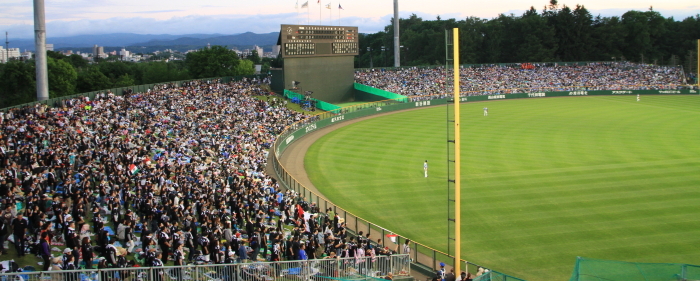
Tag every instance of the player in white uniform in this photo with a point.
(486, 111)
(637, 97)
(425, 168)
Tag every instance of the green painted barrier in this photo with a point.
(365, 91)
(326, 106)
(579, 93)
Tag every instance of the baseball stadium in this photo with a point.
(324, 171)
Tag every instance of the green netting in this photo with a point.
(289, 94)
(322, 105)
(605, 270)
(496, 276)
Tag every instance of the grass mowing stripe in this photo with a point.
(544, 180)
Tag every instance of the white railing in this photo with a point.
(363, 268)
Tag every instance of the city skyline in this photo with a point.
(69, 18)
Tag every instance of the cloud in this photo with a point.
(153, 12)
(237, 23)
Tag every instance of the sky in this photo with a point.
(89, 17)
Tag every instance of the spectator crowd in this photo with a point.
(515, 78)
(174, 174)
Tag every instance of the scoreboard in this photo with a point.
(318, 41)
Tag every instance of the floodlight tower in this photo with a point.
(7, 48)
(397, 56)
(42, 74)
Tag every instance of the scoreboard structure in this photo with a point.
(321, 59)
(315, 41)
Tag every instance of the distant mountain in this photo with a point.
(243, 39)
(113, 40)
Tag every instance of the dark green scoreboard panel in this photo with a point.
(330, 78)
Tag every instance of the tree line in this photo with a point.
(557, 33)
(69, 75)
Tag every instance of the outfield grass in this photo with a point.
(543, 180)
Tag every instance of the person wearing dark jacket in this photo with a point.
(111, 253)
(70, 265)
(19, 226)
(86, 251)
(3, 234)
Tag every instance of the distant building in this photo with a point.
(98, 52)
(259, 50)
(10, 53)
(276, 50)
(49, 47)
(27, 55)
(124, 54)
(68, 52)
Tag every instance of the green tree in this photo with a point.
(124, 81)
(155, 72)
(17, 84)
(62, 78)
(158, 71)
(77, 61)
(535, 39)
(254, 57)
(216, 61)
(494, 40)
(583, 30)
(245, 67)
(115, 69)
(91, 79)
(55, 55)
(645, 35)
(608, 39)
(471, 39)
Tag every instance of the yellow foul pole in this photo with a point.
(698, 69)
(458, 225)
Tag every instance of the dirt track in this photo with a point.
(292, 159)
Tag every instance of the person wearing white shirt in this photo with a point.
(425, 168)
